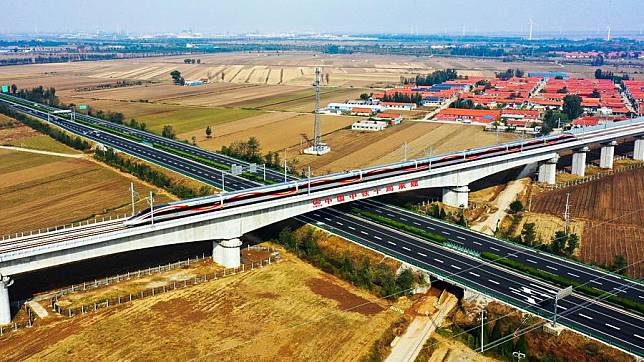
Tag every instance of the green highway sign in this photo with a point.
(5, 89)
(82, 107)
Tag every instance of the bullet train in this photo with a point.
(207, 204)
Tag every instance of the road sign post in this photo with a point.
(252, 167)
(560, 295)
(5, 89)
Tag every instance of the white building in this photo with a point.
(347, 107)
(369, 126)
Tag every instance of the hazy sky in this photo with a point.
(337, 16)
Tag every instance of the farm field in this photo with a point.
(25, 137)
(612, 208)
(289, 309)
(39, 191)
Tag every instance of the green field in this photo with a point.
(43, 143)
(186, 119)
(302, 100)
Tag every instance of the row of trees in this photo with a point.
(562, 243)
(117, 118)
(600, 74)
(379, 278)
(60, 136)
(510, 73)
(435, 77)
(38, 94)
(403, 98)
(146, 173)
(250, 150)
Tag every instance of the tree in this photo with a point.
(168, 132)
(572, 244)
(14, 88)
(177, 78)
(364, 96)
(528, 234)
(558, 242)
(194, 140)
(208, 132)
(522, 344)
(198, 61)
(516, 206)
(518, 73)
(405, 281)
(572, 106)
(595, 94)
(619, 264)
(563, 90)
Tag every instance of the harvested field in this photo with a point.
(351, 149)
(230, 319)
(612, 207)
(39, 191)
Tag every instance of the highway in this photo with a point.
(600, 321)
(466, 238)
(594, 320)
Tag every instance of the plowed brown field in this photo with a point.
(614, 209)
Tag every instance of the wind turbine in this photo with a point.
(531, 24)
(608, 35)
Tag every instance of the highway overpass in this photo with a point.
(76, 237)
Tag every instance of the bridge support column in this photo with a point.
(607, 155)
(456, 196)
(579, 161)
(638, 152)
(5, 307)
(227, 253)
(548, 171)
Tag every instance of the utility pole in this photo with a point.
(151, 208)
(264, 167)
(405, 151)
(483, 312)
(567, 213)
(223, 182)
(309, 175)
(431, 150)
(132, 195)
(285, 179)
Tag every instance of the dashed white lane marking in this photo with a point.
(531, 261)
(574, 275)
(438, 260)
(430, 228)
(493, 248)
(598, 283)
(415, 223)
(378, 211)
(327, 219)
(455, 267)
(476, 275)
(364, 232)
(585, 316)
(494, 281)
(377, 237)
(406, 248)
(392, 243)
(460, 237)
(339, 223)
(612, 326)
(351, 227)
(549, 267)
(638, 336)
(421, 254)
(477, 243)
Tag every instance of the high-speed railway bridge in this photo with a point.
(36, 251)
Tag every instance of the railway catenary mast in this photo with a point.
(318, 148)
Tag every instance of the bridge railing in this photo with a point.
(71, 225)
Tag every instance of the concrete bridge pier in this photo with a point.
(638, 152)
(5, 307)
(456, 196)
(227, 252)
(607, 155)
(548, 171)
(579, 161)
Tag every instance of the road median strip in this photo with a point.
(439, 239)
(564, 282)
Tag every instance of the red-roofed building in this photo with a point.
(356, 111)
(481, 116)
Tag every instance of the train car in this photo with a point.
(246, 197)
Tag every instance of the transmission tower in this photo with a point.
(318, 148)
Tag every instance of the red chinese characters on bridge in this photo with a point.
(327, 201)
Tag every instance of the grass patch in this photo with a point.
(564, 282)
(202, 160)
(186, 119)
